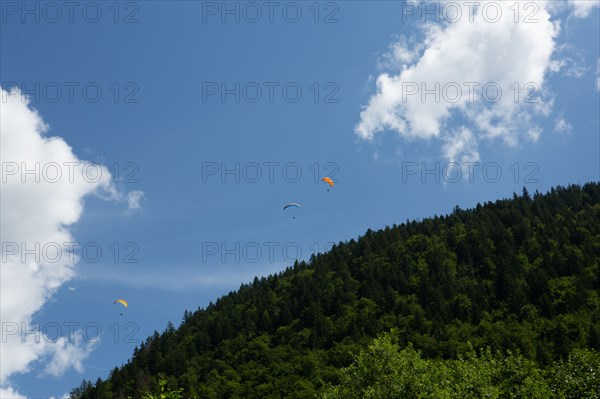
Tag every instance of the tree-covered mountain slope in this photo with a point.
(519, 274)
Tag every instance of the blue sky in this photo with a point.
(160, 127)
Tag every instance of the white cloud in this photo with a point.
(570, 60)
(37, 210)
(185, 277)
(462, 144)
(134, 199)
(533, 134)
(583, 8)
(456, 54)
(562, 126)
(402, 52)
(10, 393)
(67, 353)
(577, 71)
(598, 76)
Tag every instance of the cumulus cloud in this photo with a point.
(461, 147)
(134, 200)
(583, 8)
(405, 50)
(68, 353)
(43, 189)
(487, 73)
(598, 76)
(10, 393)
(562, 126)
(181, 278)
(570, 61)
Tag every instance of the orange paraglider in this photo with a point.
(328, 181)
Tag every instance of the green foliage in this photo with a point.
(164, 392)
(518, 276)
(579, 377)
(383, 371)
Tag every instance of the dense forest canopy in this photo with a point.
(517, 278)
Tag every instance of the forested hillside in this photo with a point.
(518, 275)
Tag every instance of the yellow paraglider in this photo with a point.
(122, 302)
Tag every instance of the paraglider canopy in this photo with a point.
(328, 181)
(292, 205)
(122, 302)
